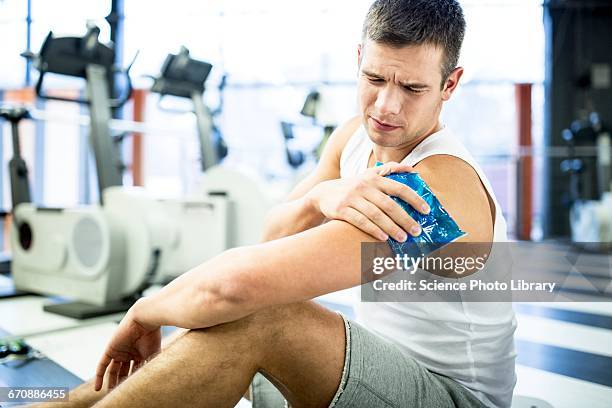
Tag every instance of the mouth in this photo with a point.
(382, 126)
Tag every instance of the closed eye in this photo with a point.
(415, 90)
(376, 80)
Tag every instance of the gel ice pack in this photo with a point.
(438, 228)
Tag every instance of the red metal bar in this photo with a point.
(139, 96)
(525, 162)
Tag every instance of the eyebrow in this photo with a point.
(405, 84)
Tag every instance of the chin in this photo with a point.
(384, 140)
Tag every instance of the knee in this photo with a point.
(273, 323)
(248, 336)
(280, 317)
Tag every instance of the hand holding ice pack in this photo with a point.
(438, 227)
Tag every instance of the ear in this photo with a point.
(451, 83)
(359, 51)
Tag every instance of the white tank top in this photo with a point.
(471, 342)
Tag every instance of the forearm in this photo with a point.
(244, 280)
(291, 218)
(205, 296)
(212, 293)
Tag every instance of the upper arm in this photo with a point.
(328, 167)
(328, 258)
(460, 191)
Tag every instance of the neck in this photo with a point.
(398, 153)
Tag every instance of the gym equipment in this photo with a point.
(589, 176)
(18, 171)
(591, 223)
(13, 350)
(590, 183)
(73, 56)
(18, 174)
(201, 221)
(7, 289)
(184, 77)
(315, 110)
(23, 366)
(103, 255)
(246, 199)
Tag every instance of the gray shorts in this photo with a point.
(377, 374)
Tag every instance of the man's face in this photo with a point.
(399, 92)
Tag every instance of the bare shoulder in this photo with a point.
(341, 135)
(461, 192)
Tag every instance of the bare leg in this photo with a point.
(299, 347)
(84, 396)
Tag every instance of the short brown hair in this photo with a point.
(400, 23)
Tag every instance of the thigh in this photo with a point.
(380, 375)
(305, 347)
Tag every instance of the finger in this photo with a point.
(100, 370)
(362, 222)
(394, 167)
(118, 376)
(397, 189)
(381, 220)
(109, 376)
(124, 371)
(113, 370)
(395, 212)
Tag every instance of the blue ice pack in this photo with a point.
(438, 228)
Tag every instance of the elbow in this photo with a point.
(230, 295)
(271, 229)
(268, 234)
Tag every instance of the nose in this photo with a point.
(388, 101)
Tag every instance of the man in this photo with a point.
(248, 309)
